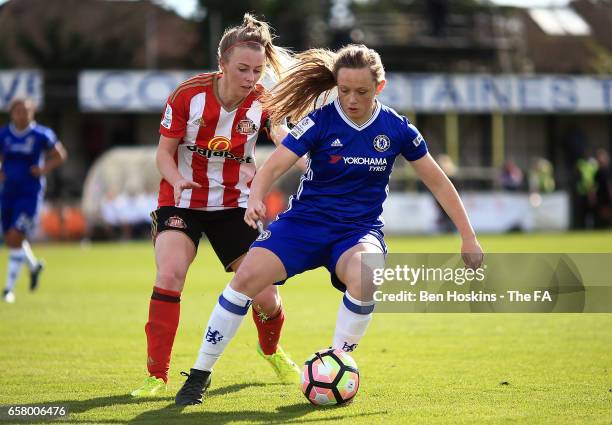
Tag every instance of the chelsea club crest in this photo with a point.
(381, 143)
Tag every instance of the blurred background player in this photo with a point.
(206, 157)
(336, 215)
(28, 152)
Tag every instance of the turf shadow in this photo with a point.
(172, 413)
(82, 406)
(294, 413)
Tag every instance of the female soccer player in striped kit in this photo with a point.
(335, 217)
(206, 157)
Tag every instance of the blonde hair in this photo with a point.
(254, 34)
(315, 74)
(27, 102)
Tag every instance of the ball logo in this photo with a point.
(381, 143)
(219, 143)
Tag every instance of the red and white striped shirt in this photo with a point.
(217, 147)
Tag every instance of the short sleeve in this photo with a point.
(413, 144)
(302, 137)
(50, 139)
(174, 121)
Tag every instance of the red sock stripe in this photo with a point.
(166, 292)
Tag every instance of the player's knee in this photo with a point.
(244, 279)
(13, 239)
(267, 301)
(170, 279)
(360, 290)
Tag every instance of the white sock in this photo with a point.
(29, 255)
(15, 261)
(353, 319)
(222, 326)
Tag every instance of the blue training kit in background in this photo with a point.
(23, 192)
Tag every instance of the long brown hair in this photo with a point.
(315, 74)
(253, 33)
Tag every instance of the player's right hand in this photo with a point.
(181, 185)
(471, 253)
(256, 210)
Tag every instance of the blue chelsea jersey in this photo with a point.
(349, 166)
(20, 151)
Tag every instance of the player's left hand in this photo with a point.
(256, 210)
(471, 253)
(36, 171)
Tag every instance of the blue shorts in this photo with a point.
(304, 244)
(20, 213)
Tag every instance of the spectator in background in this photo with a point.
(575, 144)
(541, 176)
(511, 176)
(28, 151)
(603, 191)
(586, 168)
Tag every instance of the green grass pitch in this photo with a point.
(79, 341)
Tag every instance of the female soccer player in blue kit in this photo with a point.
(335, 216)
(24, 144)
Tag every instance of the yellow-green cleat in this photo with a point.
(150, 387)
(285, 368)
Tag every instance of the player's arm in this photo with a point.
(277, 164)
(164, 158)
(56, 156)
(445, 193)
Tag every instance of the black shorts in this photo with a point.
(226, 230)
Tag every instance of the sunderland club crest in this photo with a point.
(246, 127)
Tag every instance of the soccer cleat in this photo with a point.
(194, 387)
(35, 274)
(150, 387)
(285, 368)
(8, 296)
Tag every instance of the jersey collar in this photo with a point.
(18, 133)
(350, 122)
